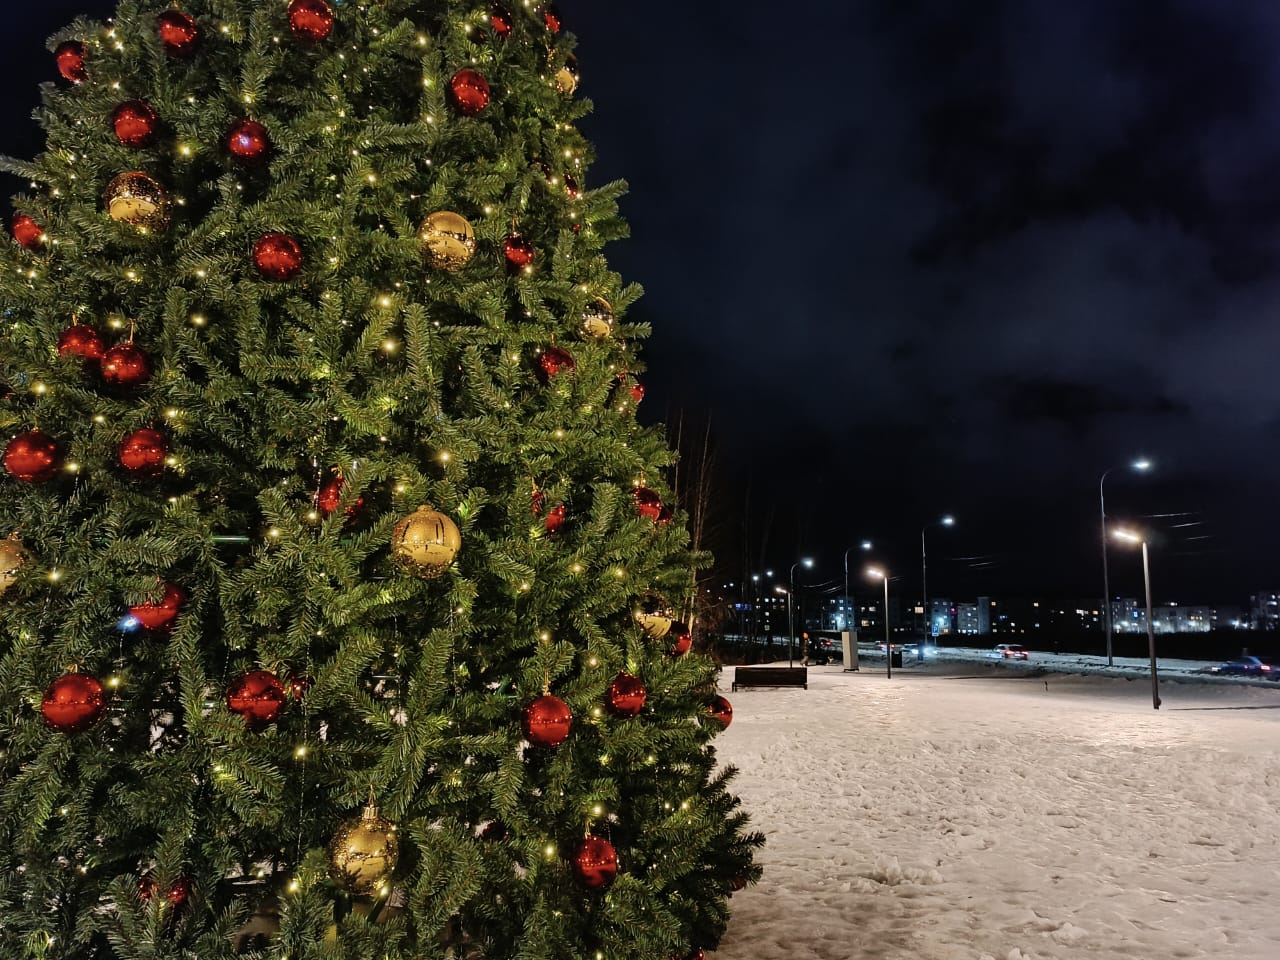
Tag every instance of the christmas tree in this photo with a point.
(341, 599)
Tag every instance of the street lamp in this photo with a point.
(888, 646)
(807, 562)
(946, 520)
(1141, 465)
(864, 546)
(1130, 537)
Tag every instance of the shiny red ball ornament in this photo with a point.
(135, 123)
(73, 703)
(179, 33)
(648, 503)
(500, 21)
(547, 721)
(330, 495)
(595, 863)
(159, 616)
(637, 391)
(682, 639)
(571, 188)
(80, 340)
(28, 233)
(494, 831)
(519, 253)
(258, 696)
(722, 710)
(627, 695)
(738, 883)
(143, 452)
(249, 143)
(551, 17)
(70, 56)
(175, 896)
(553, 361)
(310, 20)
(556, 517)
(125, 366)
(33, 457)
(277, 256)
(470, 91)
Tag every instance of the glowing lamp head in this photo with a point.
(1142, 465)
(1128, 536)
(948, 521)
(807, 562)
(876, 574)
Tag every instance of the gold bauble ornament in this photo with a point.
(597, 319)
(655, 625)
(449, 240)
(566, 80)
(12, 557)
(363, 852)
(425, 543)
(138, 200)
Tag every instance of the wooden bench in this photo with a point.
(770, 677)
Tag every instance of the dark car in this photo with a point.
(1247, 667)
(822, 650)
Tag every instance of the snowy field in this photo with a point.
(989, 811)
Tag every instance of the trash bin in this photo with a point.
(895, 658)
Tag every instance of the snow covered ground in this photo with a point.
(989, 811)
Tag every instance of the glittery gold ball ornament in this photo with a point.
(655, 625)
(425, 543)
(12, 557)
(448, 240)
(138, 200)
(363, 852)
(597, 319)
(566, 80)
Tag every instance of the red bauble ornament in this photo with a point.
(682, 639)
(70, 56)
(552, 361)
(547, 721)
(571, 187)
(738, 883)
(330, 495)
(494, 831)
(648, 503)
(519, 253)
(537, 501)
(277, 256)
(73, 703)
(310, 20)
(79, 340)
(160, 616)
(500, 20)
(627, 695)
(556, 517)
(637, 391)
(722, 710)
(143, 452)
(258, 696)
(178, 32)
(470, 91)
(249, 143)
(125, 366)
(596, 863)
(135, 123)
(28, 233)
(175, 896)
(551, 17)
(33, 457)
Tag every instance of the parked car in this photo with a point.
(1247, 667)
(1009, 651)
(823, 650)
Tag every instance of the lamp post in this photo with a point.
(1141, 465)
(864, 545)
(945, 521)
(888, 646)
(1131, 537)
(807, 562)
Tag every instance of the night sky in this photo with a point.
(914, 257)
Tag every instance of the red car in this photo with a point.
(1009, 651)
